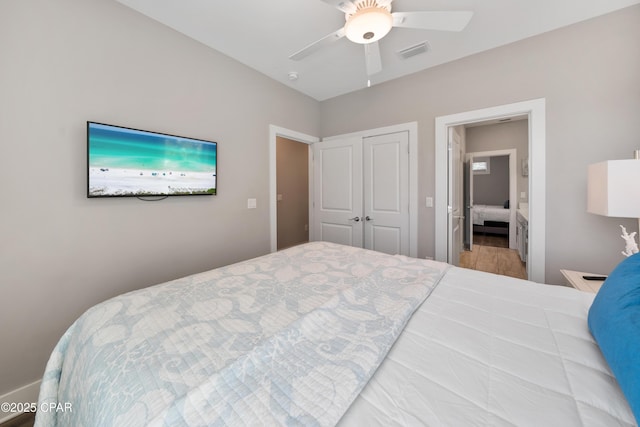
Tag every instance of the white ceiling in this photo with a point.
(262, 34)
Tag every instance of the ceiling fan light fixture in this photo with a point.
(368, 24)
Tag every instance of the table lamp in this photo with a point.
(613, 189)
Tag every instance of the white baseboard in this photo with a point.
(26, 394)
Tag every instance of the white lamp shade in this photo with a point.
(613, 188)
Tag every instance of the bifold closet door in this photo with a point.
(338, 191)
(361, 192)
(386, 193)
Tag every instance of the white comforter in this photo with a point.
(488, 350)
(482, 213)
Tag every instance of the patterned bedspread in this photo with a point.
(290, 338)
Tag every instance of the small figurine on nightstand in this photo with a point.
(631, 247)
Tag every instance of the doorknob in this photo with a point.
(355, 218)
(368, 218)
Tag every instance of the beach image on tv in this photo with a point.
(129, 162)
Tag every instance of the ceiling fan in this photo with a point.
(370, 20)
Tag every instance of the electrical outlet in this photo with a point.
(429, 202)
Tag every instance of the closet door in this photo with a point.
(361, 192)
(338, 191)
(386, 193)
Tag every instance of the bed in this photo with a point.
(491, 219)
(324, 334)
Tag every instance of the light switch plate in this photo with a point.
(252, 204)
(429, 202)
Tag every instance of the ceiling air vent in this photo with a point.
(414, 50)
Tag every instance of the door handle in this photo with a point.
(355, 218)
(368, 218)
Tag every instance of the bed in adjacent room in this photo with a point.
(324, 334)
(491, 219)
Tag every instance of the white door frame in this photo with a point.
(274, 132)
(412, 128)
(513, 190)
(535, 110)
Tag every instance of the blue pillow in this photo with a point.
(614, 321)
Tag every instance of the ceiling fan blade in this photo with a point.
(345, 6)
(437, 20)
(317, 45)
(372, 57)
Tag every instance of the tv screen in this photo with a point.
(138, 163)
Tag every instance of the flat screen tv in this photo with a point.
(130, 162)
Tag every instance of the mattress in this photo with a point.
(488, 350)
(322, 334)
(482, 213)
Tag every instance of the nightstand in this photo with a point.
(574, 279)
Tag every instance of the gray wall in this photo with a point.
(492, 188)
(503, 136)
(588, 74)
(65, 62)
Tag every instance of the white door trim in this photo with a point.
(535, 110)
(412, 128)
(274, 132)
(513, 190)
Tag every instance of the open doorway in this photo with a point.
(275, 133)
(498, 149)
(292, 189)
(492, 202)
(489, 200)
(534, 110)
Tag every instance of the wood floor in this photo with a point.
(492, 254)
